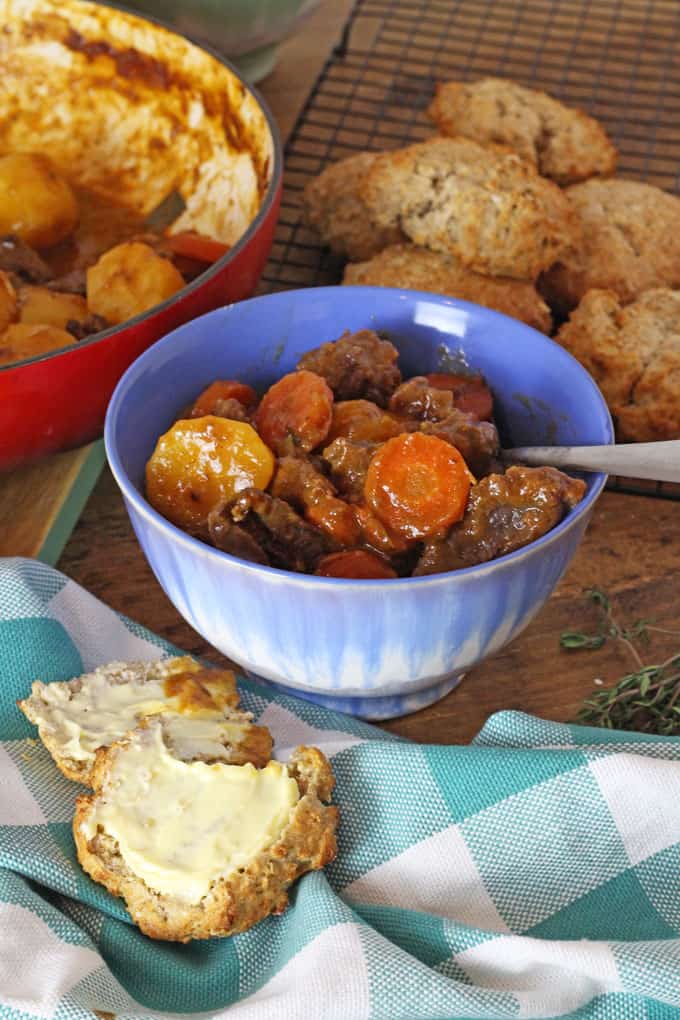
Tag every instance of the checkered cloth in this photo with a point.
(535, 873)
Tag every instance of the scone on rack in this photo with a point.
(199, 850)
(633, 353)
(199, 706)
(629, 242)
(407, 265)
(484, 204)
(333, 207)
(565, 143)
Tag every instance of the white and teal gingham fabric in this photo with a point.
(535, 873)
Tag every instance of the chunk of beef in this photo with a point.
(504, 513)
(358, 365)
(289, 541)
(476, 441)
(348, 460)
(233, 539)
(416, 399)
(74, 282)
(299, 482)
(88, 327)
(231, 408)
(20, 259)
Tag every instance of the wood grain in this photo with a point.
(632, 548)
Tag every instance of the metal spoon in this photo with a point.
(657, 461)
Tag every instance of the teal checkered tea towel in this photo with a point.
(535, 873)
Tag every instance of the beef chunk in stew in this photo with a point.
(477, 441)
(299, 483)
(416, 399)
(20, 259)
(357, 366)
(234, 539)
(348, 461)
(289, 542)
(504, 513)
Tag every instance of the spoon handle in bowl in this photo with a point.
(657, 461)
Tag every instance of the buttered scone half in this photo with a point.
(198, 850)
(199, 711)
(483, 204)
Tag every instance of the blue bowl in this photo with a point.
(377, 649)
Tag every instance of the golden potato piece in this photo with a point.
(8, 301)
(128, 280)
(23, 340)
(204, 462)
(36, 203)
(49, 307)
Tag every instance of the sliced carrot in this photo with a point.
(362, 420)
(223, 389)
(195, 246)
(298, 405)
(354, 563)
(470, 392)
(417, 485)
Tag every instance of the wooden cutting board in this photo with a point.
(40, 504)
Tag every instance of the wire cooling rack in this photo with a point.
(617, 59)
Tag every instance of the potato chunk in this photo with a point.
(128, 280)
(23, 340)
(49, 307)
(202, 463)
(8, 301)
(36, 203)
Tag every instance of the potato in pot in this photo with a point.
(128, 280)
(24, 340)
(36, 203)
(40, 305)
(8, 301)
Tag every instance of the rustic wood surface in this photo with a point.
(632, 548)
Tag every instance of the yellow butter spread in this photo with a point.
(181, 825)
(102, 711)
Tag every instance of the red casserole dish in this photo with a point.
(58, 400)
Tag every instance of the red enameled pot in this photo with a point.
(58, 401)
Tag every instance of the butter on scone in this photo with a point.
(333, 207)
(198, 850)
(484, 204)
(565, 143)
(199, 707)
(407, 265)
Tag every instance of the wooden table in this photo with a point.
(632, 548)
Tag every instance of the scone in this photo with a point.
(629, 243)
(633, 353)
(199, 708)
(484, 204)
(198, 850)
(407, 265)
(564, 143)
(333, 207)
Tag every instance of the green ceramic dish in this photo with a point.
(246, 31)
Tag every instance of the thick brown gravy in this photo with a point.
(102, 224)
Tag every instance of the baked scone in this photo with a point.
(484, 204)
(629, 243)
(407, 265)
(199, 707)
(633, 353)
(565, 143)
(333, 207)
(198, 850)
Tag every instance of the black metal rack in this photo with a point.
(618, 59)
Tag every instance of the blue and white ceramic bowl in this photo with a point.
(372, 648)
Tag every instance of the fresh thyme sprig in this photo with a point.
(647, 700)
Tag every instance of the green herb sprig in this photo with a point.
(646, 700)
